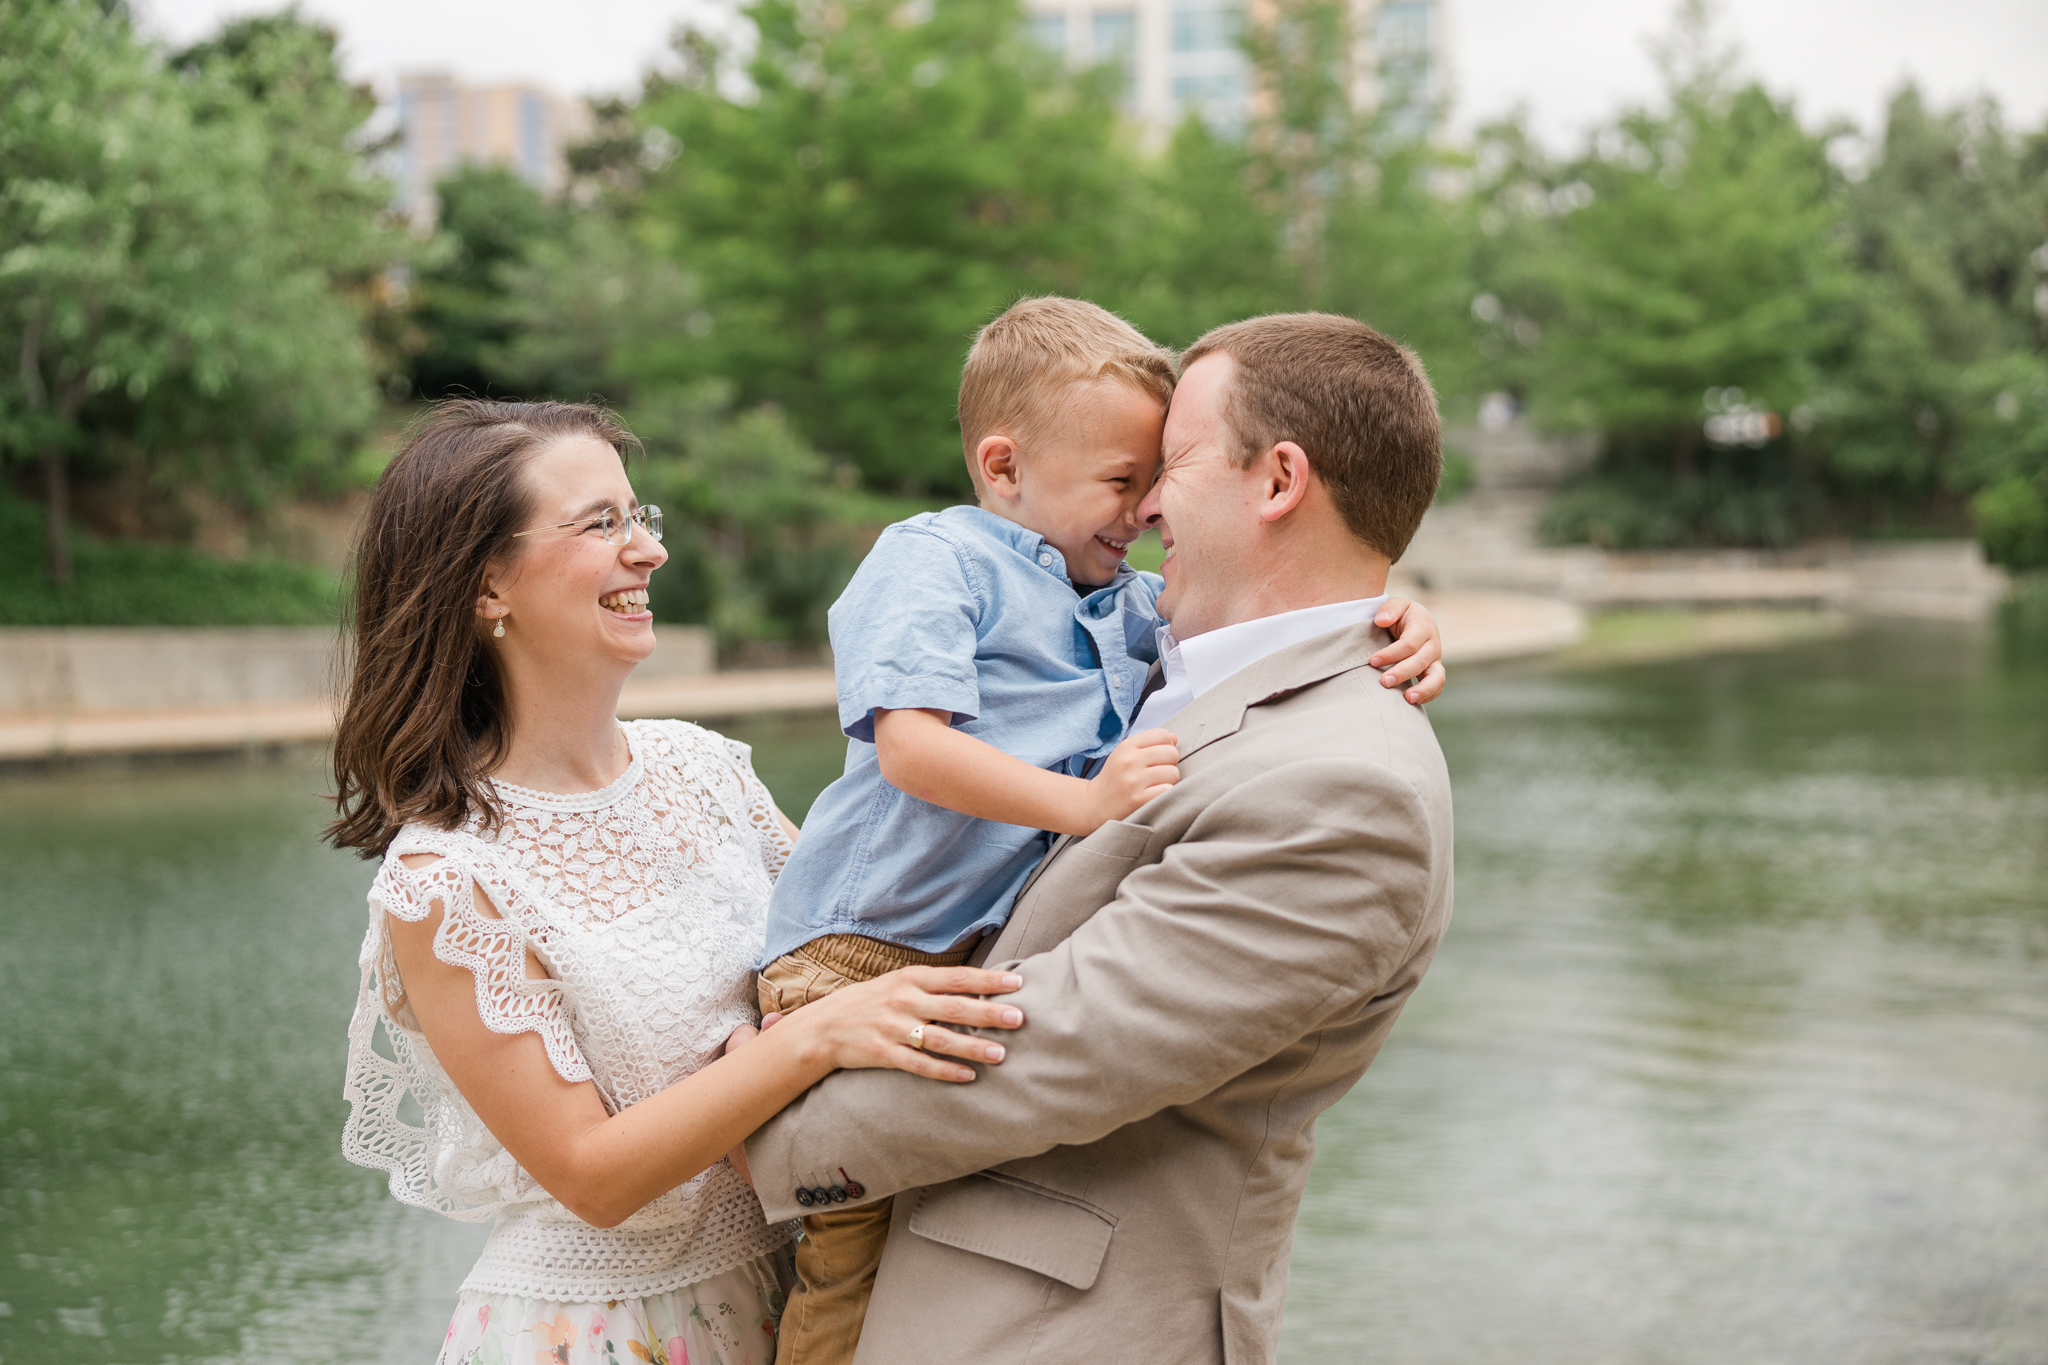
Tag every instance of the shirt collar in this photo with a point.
(1214, 655)
(1036, 548)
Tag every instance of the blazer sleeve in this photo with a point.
(1290, 901)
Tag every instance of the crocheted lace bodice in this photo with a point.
(645, 903)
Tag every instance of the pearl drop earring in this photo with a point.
(499, 633)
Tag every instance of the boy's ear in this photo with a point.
(996, 457)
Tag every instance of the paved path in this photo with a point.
(1477, 626)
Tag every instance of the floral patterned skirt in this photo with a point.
(729, 1319)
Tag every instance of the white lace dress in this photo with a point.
(645, 903)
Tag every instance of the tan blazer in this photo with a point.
(1201, 981)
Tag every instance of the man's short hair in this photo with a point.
(1357, 403)
(1022, 366)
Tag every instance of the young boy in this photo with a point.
(986, 656)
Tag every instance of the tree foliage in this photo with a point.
(190, 249)
(1875, 343)
(490, 223)
(1945, 390)
(1689, 262)
(885, 185)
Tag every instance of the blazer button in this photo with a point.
(854, 1189)
(838, 1194)
(805, 1197)
(821, 1194)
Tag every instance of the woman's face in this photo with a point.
(565, 595)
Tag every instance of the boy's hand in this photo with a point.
(1416, 653)
(1136, 771)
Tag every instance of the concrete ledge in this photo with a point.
(156, 669)
(55, 736)
(94, 670)
(235, 676)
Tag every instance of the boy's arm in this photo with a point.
(923, 756)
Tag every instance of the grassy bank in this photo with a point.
(136, 583)
(1644, 636)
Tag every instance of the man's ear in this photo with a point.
(996, 457)
(1284, 477)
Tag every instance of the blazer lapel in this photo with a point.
(1220, 711)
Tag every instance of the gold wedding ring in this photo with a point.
(917, 1037)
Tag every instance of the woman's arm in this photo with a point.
(603, 1167)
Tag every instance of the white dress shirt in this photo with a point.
(1194, 666)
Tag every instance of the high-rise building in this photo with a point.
(1185, 56)
(444, 123)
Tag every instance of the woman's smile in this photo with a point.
(630, 603)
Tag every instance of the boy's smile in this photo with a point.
(1080, 482)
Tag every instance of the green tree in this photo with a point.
(1317, 203)
(179, 281)
(887, 183)
(763, 530)
(1945, 391)
(490, 222)
(1691, 260)
(1197, 244)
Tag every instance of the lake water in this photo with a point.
(1737, 1050)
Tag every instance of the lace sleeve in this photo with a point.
(773, 839)
(449, 1163)
(490, 948)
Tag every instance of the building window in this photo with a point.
(1205, 28)
(1407, 86)
(1116, 42)
(533, 140)
(1404, 29)
(1049, 31)
(1215, 87)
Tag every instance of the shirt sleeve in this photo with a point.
(905, 631)
(491, 948)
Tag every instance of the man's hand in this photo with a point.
(1416, 653)
(1136, 771)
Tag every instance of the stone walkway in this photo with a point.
(1488, 541)
(1477, 625)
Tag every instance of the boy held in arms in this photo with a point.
(987, 658)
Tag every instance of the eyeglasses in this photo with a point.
(615, 526)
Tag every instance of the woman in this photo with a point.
(563, 931)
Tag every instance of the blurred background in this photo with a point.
(1739, 318)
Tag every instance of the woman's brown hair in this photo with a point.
(423, 714)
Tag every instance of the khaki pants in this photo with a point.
(841, 1249)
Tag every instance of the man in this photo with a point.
(1205, 977)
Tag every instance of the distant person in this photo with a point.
(991, 664)
(1203, 976)
(562, 935)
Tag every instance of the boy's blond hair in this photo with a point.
(1021, 366)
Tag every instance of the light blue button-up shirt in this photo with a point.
(959, 611)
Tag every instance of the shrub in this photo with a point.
(2012, 520)
(140, 583)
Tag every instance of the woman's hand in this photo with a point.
(869, 1024)
(1416, 653)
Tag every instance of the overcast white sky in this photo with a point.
(1570, 62)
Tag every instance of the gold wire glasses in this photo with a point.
(614, 525)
